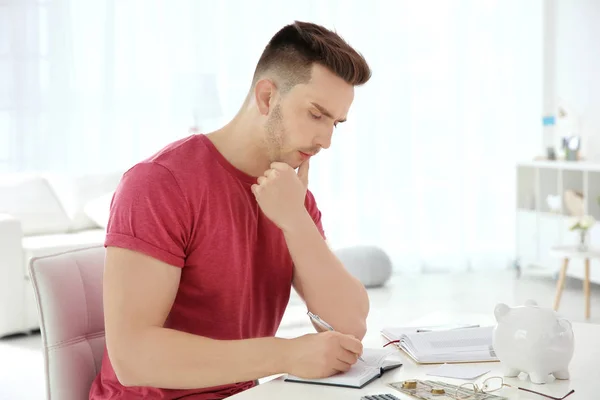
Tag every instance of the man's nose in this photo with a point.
(324, 139)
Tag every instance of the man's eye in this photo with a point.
(315, 116)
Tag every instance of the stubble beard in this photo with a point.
(275, 134)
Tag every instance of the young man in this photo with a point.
(206, 238)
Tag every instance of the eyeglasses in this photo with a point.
(492, 384)
(469, 390)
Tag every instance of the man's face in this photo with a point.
(302, 122)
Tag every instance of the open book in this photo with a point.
(375, 364)
(445, 346)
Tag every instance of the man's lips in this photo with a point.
(306, 155)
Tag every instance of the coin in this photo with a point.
(409, 384)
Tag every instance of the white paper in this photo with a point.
(455, 341)
(458, 345)
(376, 357)
(460, 371)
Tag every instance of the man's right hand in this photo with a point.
(319, 355)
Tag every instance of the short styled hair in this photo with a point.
(291, 53)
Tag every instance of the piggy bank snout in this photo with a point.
(565, 324)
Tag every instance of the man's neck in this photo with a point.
(239, 142)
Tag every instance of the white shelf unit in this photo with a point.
(538, 228)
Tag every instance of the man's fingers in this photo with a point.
(347, 356)
(303, 172)
(341, 366)
(351, 344)
(261, 179)
(255, 189)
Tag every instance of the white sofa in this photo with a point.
(42, 215)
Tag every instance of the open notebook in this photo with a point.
(376, 363)
(445, 346)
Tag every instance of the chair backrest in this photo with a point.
(68, 290)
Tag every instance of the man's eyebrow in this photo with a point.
(325, 112)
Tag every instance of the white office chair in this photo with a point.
(68, 290)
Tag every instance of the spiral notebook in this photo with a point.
(376, 363)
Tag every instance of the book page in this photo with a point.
(376, 357)
(454, 345)
(357, 375)
(471, 339)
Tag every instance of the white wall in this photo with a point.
(577, 65)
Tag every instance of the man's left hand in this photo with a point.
(280, 193)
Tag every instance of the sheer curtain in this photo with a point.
(424, 167)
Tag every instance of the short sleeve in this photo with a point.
(311, 206)
(149, 213)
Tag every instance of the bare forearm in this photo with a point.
(328, 289)
(170, 359)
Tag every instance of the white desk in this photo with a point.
(584, 369)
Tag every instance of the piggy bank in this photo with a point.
(533, 340)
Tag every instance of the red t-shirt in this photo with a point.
(189, 207)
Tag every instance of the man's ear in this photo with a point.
(264, 93)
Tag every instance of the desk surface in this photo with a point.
(584, 369)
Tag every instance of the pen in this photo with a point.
(325, 325)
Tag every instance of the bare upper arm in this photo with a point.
(138, 292)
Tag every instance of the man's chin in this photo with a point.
(293, 159)
(295, 164)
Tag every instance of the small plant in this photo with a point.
(582, 224)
